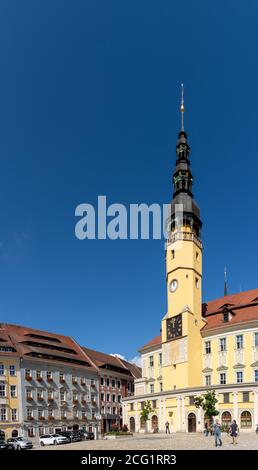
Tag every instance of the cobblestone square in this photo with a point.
(176, 441)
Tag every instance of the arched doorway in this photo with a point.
(226, 420)
(132, 424)
(154, 423)
(14, 433)
(142, 424)
(246, 420)
(191, 422)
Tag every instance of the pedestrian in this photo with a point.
(233, 431)
(217, 433)
(167, 427)
(206, 429)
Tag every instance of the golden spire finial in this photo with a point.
(182, 108)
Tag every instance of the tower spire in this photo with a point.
(225, 282)
(182, 107)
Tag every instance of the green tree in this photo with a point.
(146, 411)
(207, 403)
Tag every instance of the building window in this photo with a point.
(29, 413)
(107, 382)
(13, 391)
(161, 387)
(173, 254)
(28, 394)
(108, 397)
(39, 375)
(256, 375)
(28, 375)
(160, 359)
(30, 432)
(113, 398)
(207, 347)
(151, 388)
(239, 342)
(62, 395)
(119, 398)
(2, 391)
(246, 419)
(49, 375)
(12, 370)
(142, 405)
(226, 397)
(222, 378)
(1, 369)
(246, 397)
(225, 317)
(151, 359)
(61, 377)
(191, 400)
(3, 414)
(14, 414)
(207, 380)
(197, 256)
(102, 396)
(101, 380)
(256, 339)
(118, 384)
(197, 283)
(131, 406)
(239, 377)
(113, 383)
(154, 404)
(223, 344)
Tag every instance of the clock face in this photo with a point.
(174, 327)
(173, 285)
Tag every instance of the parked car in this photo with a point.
(19, 443)
(86, 435)
(52, 439)
(5, 446)
(72, 436)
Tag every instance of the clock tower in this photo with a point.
(181, 326)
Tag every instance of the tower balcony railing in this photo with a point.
(189, 236)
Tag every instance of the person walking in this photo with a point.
(206, 429)
(217, 433)
(167, 427)
(234, 430)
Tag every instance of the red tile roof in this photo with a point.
(44, 346)
(243, 307)
(153, 342)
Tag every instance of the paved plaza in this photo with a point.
(178, 441)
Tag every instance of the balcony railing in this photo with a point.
(28, 377)
(29, 398)
(190, 236)
(50, 399)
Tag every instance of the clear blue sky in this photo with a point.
(89, 97)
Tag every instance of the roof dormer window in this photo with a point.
(226, 317)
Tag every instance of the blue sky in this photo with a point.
(89, 98)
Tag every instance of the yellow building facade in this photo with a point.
(10, 392)
(202, 346)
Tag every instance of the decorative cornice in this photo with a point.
(239, 366)
(207, 369)
(221, 368)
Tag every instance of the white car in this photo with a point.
(52, 439)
